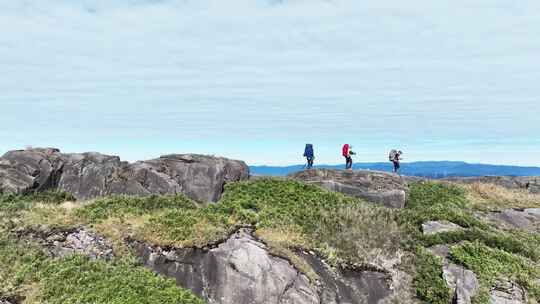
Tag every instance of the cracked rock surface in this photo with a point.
(90, 175)
(76, 241)
(242, 271)
(389, 190)
(507, 292)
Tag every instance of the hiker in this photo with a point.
(395, 157)
(309, 155)
(347, 153)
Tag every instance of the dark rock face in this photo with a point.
(530, 183)
(349, 286)
(242, 271)
(90, 175)
(383, 188)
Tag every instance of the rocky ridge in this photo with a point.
(90, 175)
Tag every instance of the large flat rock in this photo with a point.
(526, 219)
(90, 175)
(434, 227)
(389, 190)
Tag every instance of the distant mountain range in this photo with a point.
(432, 169)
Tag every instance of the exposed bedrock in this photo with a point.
(241, 270)
(90, 175)
(389, 190)
(525, 219)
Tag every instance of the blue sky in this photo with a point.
(256, 80)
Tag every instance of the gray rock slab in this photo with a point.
(462, 281)
(389, 190)
(527, 219)
(507, 292)
(434, 227)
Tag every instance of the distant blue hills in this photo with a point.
(431, 169)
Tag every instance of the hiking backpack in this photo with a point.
(308, 152)
(392, 155)
(345, 151)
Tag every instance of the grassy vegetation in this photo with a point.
(10, 203)
(492, 197)
(287, 215)
(18, 263)
(480, 247)
(77, 279)
(429, 282)
(28, 273)
(492, 264)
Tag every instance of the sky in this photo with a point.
(258, 79)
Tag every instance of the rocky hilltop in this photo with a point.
(90, 175)
(315, 237)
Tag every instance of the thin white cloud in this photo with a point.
(379, 73)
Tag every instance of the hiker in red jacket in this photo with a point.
(347, 153)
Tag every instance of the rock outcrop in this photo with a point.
(242, 271)
(90, 175)
(389, 190)
(507, 292)
(461, 281)
(525, 219)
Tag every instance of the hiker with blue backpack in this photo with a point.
(309, 155)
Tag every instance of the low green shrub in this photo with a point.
(119, 206)
(18, 263)
(491, 264)
(16, 202)
(429, 282)
(78, 279)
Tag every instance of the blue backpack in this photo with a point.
(308, 152)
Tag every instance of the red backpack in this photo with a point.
(345, 150)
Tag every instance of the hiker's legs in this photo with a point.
(396, 167)
(348, 164)
(309, 162)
